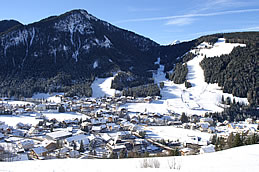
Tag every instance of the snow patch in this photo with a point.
(65, 48)
(95, 65)
(86, 47)
(107, 43)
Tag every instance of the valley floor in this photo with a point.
(198, 99)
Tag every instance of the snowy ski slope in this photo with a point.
(201, 97)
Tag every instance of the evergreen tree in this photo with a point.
(74, 145)
(184, 118)
(237, 140)
(61, 109)
(187, 84)
(123, 154)
(51, 128)
(228, 101)
(214, 139)
(220, 144)
(222, 99)
(94, 152)
(113, 155)
(255, 138)
(161, 84)
(175, 152)
(81, 149)
(230, 140)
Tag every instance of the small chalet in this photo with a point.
(207, 149)
(39, 152)
(26, 144)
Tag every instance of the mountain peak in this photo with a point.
(75, 20)
(175, 42)
(80, 12)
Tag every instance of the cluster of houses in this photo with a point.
(106, 131)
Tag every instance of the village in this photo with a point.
(105, 128)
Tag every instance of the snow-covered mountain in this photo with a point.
(73, 42)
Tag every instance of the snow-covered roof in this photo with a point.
(27, 142)
(78, 138)
(119, 146)
(39, 150)
(58, 135)
(207, 149)
(106, 137)
(96, 128)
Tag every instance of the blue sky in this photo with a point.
(162, 21)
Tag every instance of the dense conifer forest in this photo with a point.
(238, 72)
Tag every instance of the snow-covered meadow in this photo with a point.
(30, 118)
(240, 159)
(49, 97)
(174, 133)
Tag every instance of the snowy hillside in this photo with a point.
(201, 97)
(237, 159)
(102, 87)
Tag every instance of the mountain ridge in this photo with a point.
(6, 25)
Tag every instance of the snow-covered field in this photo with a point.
(19, 103)
(154, 107)
(50, 97)
(12, 120)
(102, 87)
(198, 99)
(241, 159)
(173, 133)
(63, 116)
